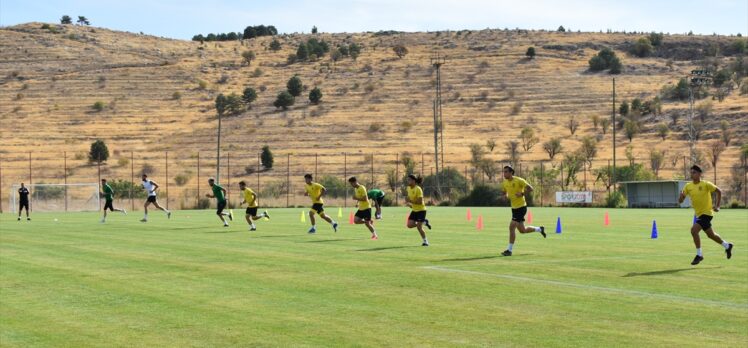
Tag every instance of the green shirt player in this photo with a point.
(108, 194)
(219, 193)
(377, 196)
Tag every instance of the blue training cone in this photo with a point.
(695, 219)
(558, 225)
(654, 229)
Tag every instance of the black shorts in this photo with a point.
(364, 214)
(151, 199)
(318, 207)
(519, 214)
(417, 216)
(109, 205)
(252, 211)
(23, 204)
(705, 221)
(220, 207)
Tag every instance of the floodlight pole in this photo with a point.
(613, 174)
(437, 61)
(697, 78)
(218, 152)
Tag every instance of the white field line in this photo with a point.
(601, 258)
(675, 298)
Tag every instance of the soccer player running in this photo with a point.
(700, 192)
(151, 188)
(219, 193)
(377, 196)
(315, 191)
(250, 198)
(23, 201)
(417, 217)
(363, 214)
(108, 200)
(515, 189)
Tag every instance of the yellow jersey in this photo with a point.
(249, 197)
(512, 187)
(361, 193)
(314, 190)
(701, 196)
(413, 194)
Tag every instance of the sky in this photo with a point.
(181, 19)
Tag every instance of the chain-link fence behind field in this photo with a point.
(182, 176)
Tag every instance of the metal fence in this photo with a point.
(182, 176)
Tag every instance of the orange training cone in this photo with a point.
(350, 218)
(479, 225)
(529, 217)
(469, 215)
(607, 219)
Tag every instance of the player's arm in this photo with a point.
(719, 198)
(682, 197)
(321, 193)
(528, 190)
(254, 199)
(155, 186)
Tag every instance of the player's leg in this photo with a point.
(419, 225)
(695, 229)
(512, 238)
(706, 225)
(530, 229)
(219, 211)
(250, 216)
(378, 205)
(27, 211)
(20, 209)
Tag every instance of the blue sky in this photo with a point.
(184, 18)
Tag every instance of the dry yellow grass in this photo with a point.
(51, 80)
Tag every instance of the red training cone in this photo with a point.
(529, 217)
(607, 219)
(350, 218)
(479, 225)
(469, 215)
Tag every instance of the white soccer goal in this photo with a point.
(59, 197)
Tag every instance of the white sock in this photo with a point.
(425, 240)
(511, 245)
(535, 229)
(725, 244)
(252, 225)
(698, 251)
(145, 216)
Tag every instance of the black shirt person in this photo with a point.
(23, 201)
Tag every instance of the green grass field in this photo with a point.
(189, 282)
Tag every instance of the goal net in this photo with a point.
(58, 197)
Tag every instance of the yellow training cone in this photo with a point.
(340, 212)
(303, 218)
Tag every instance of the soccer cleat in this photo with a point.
(506, 253)
(253, 228)
(231, 215)
(312, 230)
(102, 221)
(425, 244)
(143, 220)
(728, 251)
(378, 217)
(426, 222)
(168, 215)
(19, 218)
(374, 237)
(335, 227)
(225, 225)
(542, 231)
(28, 219)
(697, 260)
(267, 216)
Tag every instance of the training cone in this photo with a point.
(607, 219)
(558, 225)
(469, 215)
(695, 219)
(303, 216)
(654, 229)
(479, 224)
(350, 218)
(340, 213)
(529, 217)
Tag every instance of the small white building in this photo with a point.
(655, 194)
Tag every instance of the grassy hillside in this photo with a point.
(50, 79)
